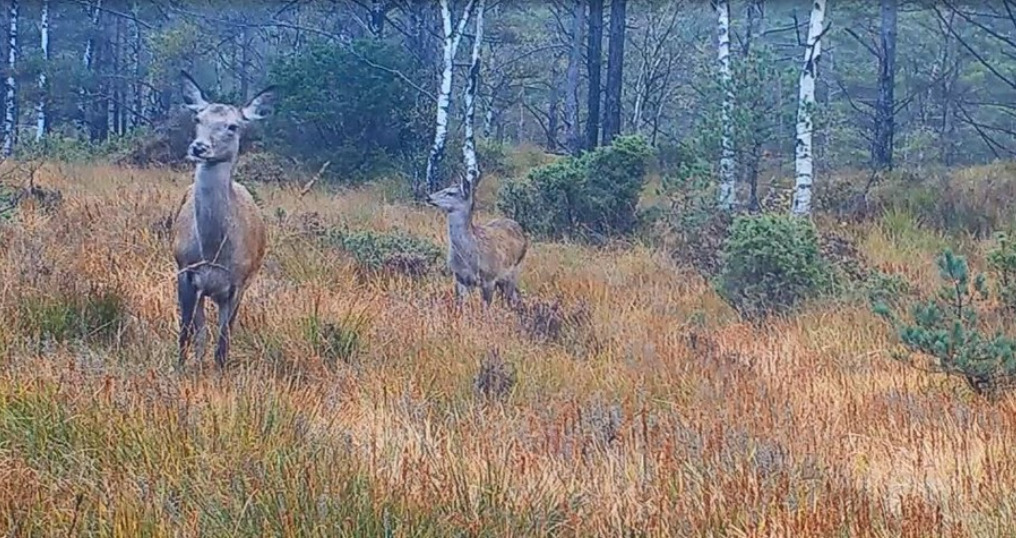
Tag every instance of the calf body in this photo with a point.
(488, 256)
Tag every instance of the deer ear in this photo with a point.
(193, 97)
(465, 185)
(260, 105)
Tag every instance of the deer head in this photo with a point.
(218, 126)
(457, 198)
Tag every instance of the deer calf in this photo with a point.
(219, 233)
(488, 255)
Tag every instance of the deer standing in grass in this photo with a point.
(219, 233)
(488, 255)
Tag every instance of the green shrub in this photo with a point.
(546, 202)
(8, 202)
(771, 262)
(673, 157)
(885, 288)
(947, 328)
(1002, 266)
(95, 314)
(593, 195)
(391, 252)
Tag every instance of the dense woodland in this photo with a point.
(899, 83)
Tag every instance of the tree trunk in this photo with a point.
(87, 61)
(244, 60)
(469, 145)
(594, 54)
(113, 82)
(376, 19)
(885, 107)
(40, 108)
(754, 13)
(552, 106)
(615, 72)
(806, 106)
(137, 88)
(755, 26)
(571, 84)
(727, 165)
(11, 98)
(452, 37)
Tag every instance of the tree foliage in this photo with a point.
(335, 107)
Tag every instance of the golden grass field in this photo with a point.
(667, 417)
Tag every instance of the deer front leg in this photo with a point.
(461, 291)
(200, 330)
(188, 301)
(227, 312)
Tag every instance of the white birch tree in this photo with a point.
(805, 109)
(40, 108)
(727, 164)
(469, 146)
(10, 99)
(94, 9)
(452, 37)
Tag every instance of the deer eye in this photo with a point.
(232, 127)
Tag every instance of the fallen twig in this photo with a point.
(313, 180)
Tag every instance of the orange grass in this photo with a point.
(803, 429)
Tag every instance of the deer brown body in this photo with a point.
(488, 256)
(219, 235)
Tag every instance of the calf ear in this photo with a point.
(260, 105)
(193, 97)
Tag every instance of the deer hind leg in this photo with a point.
(461, 292)
(487, 292)
(509, 288)
(509, 292)
(228, 306)
(189, 300)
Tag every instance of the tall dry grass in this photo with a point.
(668, 417)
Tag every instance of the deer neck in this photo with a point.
(460, 231)
(213, 198)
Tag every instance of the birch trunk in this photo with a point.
(805, 108)
(86, 60)
(40, 108)
(469, 146)
(11, 98)
(137, 89)
(571, 97)
(727, 164)
(452, 36)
